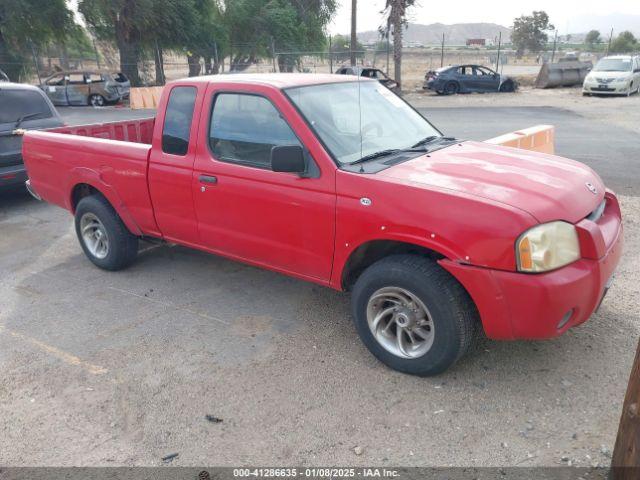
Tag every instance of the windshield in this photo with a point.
(613, 65)
(20, 103)
(357, 119)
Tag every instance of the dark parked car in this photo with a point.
(467, 79)
(23, 107)
(368, 72)
(86, 88)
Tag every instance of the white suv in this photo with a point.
(617, 75)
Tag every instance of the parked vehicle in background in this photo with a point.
(340, 182)
(369, 72)
(21, 107)
(3, 77)
(466, 79)
(614, 75)
(86, 88)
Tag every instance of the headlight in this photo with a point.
(621, 79)
(547, 247)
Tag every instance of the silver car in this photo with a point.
(614, 75)
(86, 88)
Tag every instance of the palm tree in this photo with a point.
(396, 11)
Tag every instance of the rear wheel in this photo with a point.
(413, 315)
(451, 88)
(106, 241)
(96, 100)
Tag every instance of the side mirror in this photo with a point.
(288, 158)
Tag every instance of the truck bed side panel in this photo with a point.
(57, 162)
(136, 131)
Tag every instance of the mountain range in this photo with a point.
(456, 34)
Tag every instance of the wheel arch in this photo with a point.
(369, 252)
(82, 187)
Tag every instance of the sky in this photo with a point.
(569, 16)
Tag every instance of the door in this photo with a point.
(245, 210)
(171, 165)
(77, 89)
(485, 80)
(55, 88)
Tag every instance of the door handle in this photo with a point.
(208, 179)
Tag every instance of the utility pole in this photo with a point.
(499, 45)
(442, 52)
(35, 60)
(95, 49)
(330, 54)
(388, 48)
(610, 38)
(555, 42)
(354, 39)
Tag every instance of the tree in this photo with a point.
(624, 43)
(396, 11)
(121, 21)
(261, 28)
(341, 49)
(592, 38)
(528, 32)
(27, 24)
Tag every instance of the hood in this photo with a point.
(546, 186)
(613, 75)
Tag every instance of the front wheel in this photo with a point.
(413, 315)
(96, 100)
(106, 241)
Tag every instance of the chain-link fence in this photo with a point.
(415, 63)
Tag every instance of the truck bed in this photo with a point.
(110, 157)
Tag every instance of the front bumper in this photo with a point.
(607, 89)
(515, 305)
(12, 177)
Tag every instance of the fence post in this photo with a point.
(625, 462)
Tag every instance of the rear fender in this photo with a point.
(81, 175)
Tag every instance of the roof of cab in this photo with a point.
(277, 80)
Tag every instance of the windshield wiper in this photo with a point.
(372, 156)
(25, 117)
(426, 140)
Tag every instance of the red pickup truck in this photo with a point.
(338, 181)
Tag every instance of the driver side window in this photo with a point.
(245, 127)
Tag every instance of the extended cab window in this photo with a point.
(177, 121)
(245, 127)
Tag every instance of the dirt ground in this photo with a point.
(621, 111)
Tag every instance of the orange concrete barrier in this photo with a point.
(144, 97)
(540, 138)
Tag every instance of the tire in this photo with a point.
(96, 100)
(451, 88)
(102, 226)
(453, 316)
(507, 87)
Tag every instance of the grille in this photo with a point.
(597, 213)
(604, 80)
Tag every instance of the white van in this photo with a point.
(617, 75)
